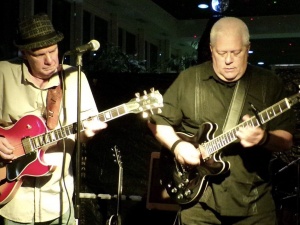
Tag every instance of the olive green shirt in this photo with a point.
(198, 96)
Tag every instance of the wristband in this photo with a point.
(265, 138)
(175, 144)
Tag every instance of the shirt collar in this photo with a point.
(53, 81)
(211, 74)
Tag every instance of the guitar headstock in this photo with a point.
(152, 102)
(117, 155)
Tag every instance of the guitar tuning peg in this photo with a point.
(159, 110)
(145, 96)
(137, 95)
(152, 89)
(145, 115)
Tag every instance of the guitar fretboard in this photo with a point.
(52, 136)
(112, 113)
(264, 116)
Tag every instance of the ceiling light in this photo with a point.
(202, 6)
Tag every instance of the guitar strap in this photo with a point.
(237, 102)
(54, 97)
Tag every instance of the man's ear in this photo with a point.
(23, 54)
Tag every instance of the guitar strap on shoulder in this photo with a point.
(237, 103)
(54, 97)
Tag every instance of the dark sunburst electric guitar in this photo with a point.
(187, 184)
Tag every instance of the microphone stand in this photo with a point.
(298, 193)
(78, 153)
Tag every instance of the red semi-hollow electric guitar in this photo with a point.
(29, 135)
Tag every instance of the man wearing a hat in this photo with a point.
(37, 97)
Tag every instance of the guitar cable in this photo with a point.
(62, 181)
(256, 112)
(178, 218)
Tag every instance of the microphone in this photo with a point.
(93, 45)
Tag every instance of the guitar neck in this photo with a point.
(113, 113)
(147, 102)
(264, 116)
(53, 136)
(120, 188)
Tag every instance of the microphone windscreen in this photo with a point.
(95, 44)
